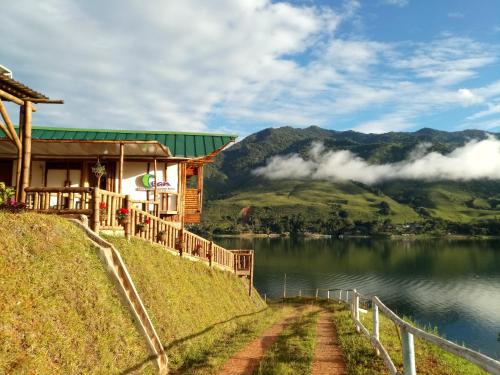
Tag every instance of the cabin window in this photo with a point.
(192, 182)
(6, 171)
(63, 174)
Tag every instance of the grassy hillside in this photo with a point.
(202, 315)
(59, 313)
(231, 185)
(310, 199)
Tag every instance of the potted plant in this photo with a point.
(197, 249)
(99, 170)
(162, 236)
(123, 216)
(103, 211)
(141, 227)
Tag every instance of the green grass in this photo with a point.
(361, 359)
(293, 352)
(312, 199)
(59, 313)
(202, 315)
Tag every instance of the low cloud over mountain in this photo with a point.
(477, 159)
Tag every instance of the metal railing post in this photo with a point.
(408, 352)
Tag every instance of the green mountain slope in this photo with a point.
(231, 185)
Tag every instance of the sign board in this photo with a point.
(147, 182)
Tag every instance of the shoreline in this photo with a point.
(392, 237)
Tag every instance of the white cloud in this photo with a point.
(474, 160)
(456, 15)
(492, 110)
(179, 64)
(399, 3)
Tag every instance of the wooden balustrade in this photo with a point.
(102, 206)
(69, 200)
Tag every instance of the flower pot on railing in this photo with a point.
(162, 236)
(141, 227)
(123, 216)
(197, 249)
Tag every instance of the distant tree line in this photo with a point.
(339, 223)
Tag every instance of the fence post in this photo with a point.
(328, 294)
(300, 293)
(284, 288)
(347, 296)
(127, 204)
(210, 253)
(375, 323)
(96, 199)
(265, 297)
(316, 293)
(340, 295)
(408, 352)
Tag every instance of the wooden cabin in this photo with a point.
(156, 177)
(162, 172)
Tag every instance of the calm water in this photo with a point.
(454, 285)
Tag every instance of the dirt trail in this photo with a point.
(328, 357)
(247, 359)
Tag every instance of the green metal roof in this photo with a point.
(180, 144)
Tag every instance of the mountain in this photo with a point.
(231, 186)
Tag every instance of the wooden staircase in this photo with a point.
(119, 275)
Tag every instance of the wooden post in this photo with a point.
(317, 293)
(155, 191)
(210, 253)
(265, 297)
(127, 203)
(120, 168)
(340, 295)
(251, 258)
(375, 324)
(96, 199)
(355, 296)
(284, 288)
(347, 296)
(328, 294)
(26, 154)
(408, 352)
(300, 293)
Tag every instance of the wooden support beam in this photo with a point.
(11, 97)
(155, 191)
(20, 153)
(120, 168)
(46, 101)
(10, 127)
(3, 127)
(26, 155)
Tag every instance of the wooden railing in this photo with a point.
(102, 206)
(66, 200)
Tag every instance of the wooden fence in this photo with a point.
(102, 206)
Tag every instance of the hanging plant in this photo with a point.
(98, 170)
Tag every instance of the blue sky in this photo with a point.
(239, 66)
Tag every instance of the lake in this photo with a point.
(452, 285)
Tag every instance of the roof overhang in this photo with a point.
(80, 149)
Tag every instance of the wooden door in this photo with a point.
(192, 198)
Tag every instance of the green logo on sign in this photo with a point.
(147, 180)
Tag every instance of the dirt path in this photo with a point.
(328, 358)
(247, 359)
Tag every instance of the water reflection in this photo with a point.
(454, 285)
